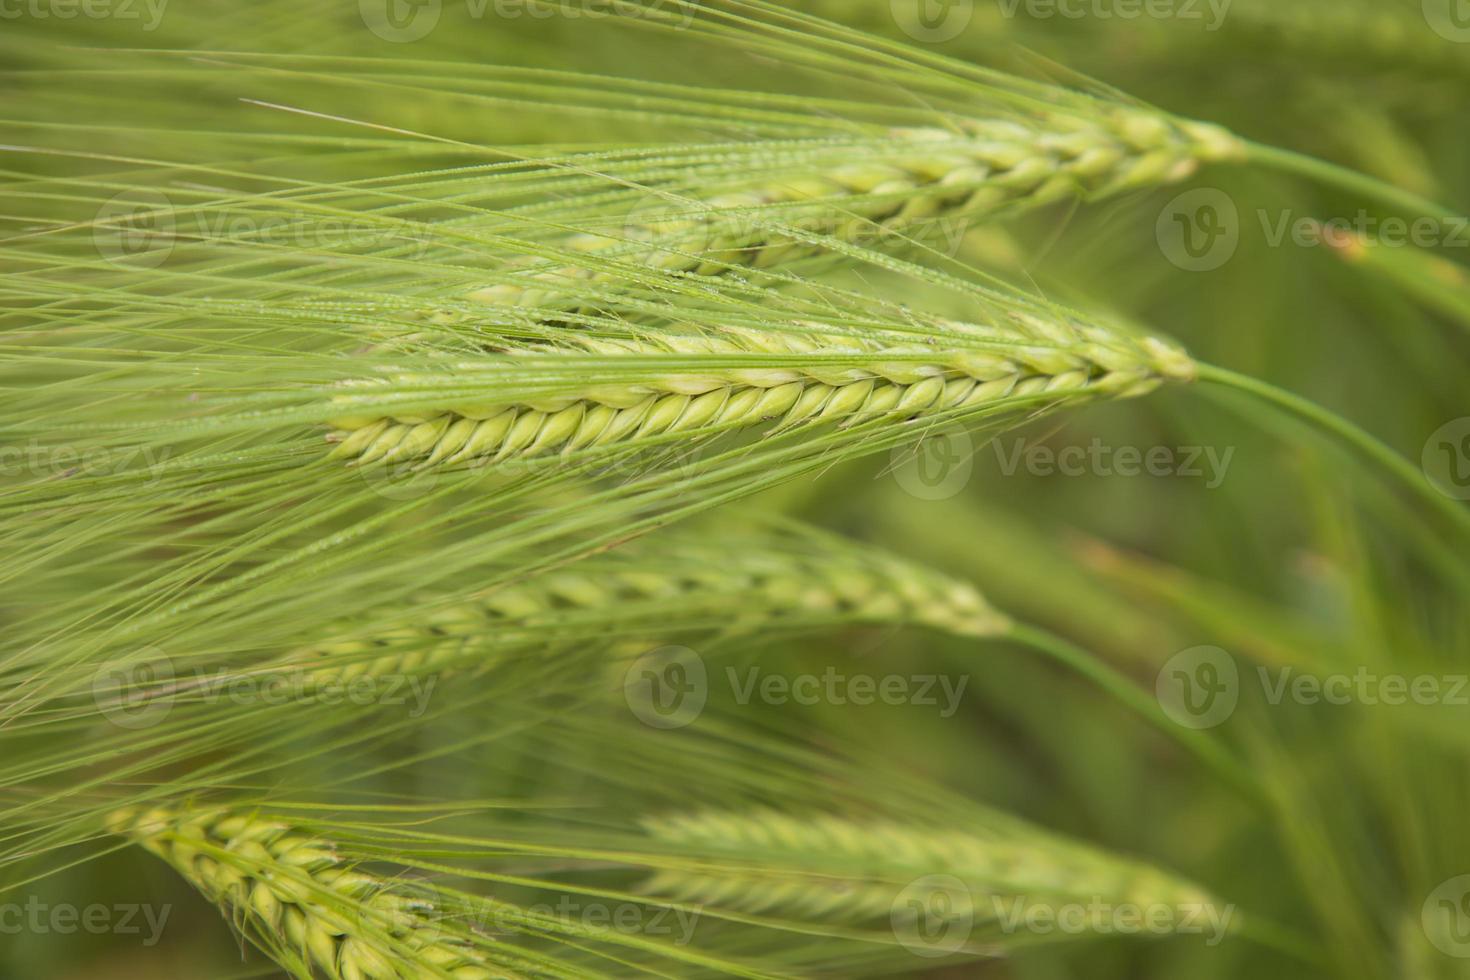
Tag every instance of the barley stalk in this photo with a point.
(303, 903)
(978, 169)
(787, 378)
(821, 865)
(1435, 281)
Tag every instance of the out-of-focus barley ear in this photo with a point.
(1435, 281)
(786, 577)
(763, 861)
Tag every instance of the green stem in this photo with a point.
(1197, 743)
(1390, 462)
(1347, 179)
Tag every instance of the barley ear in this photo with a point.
(1029, 362)
(302, 903)
(764, 861)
